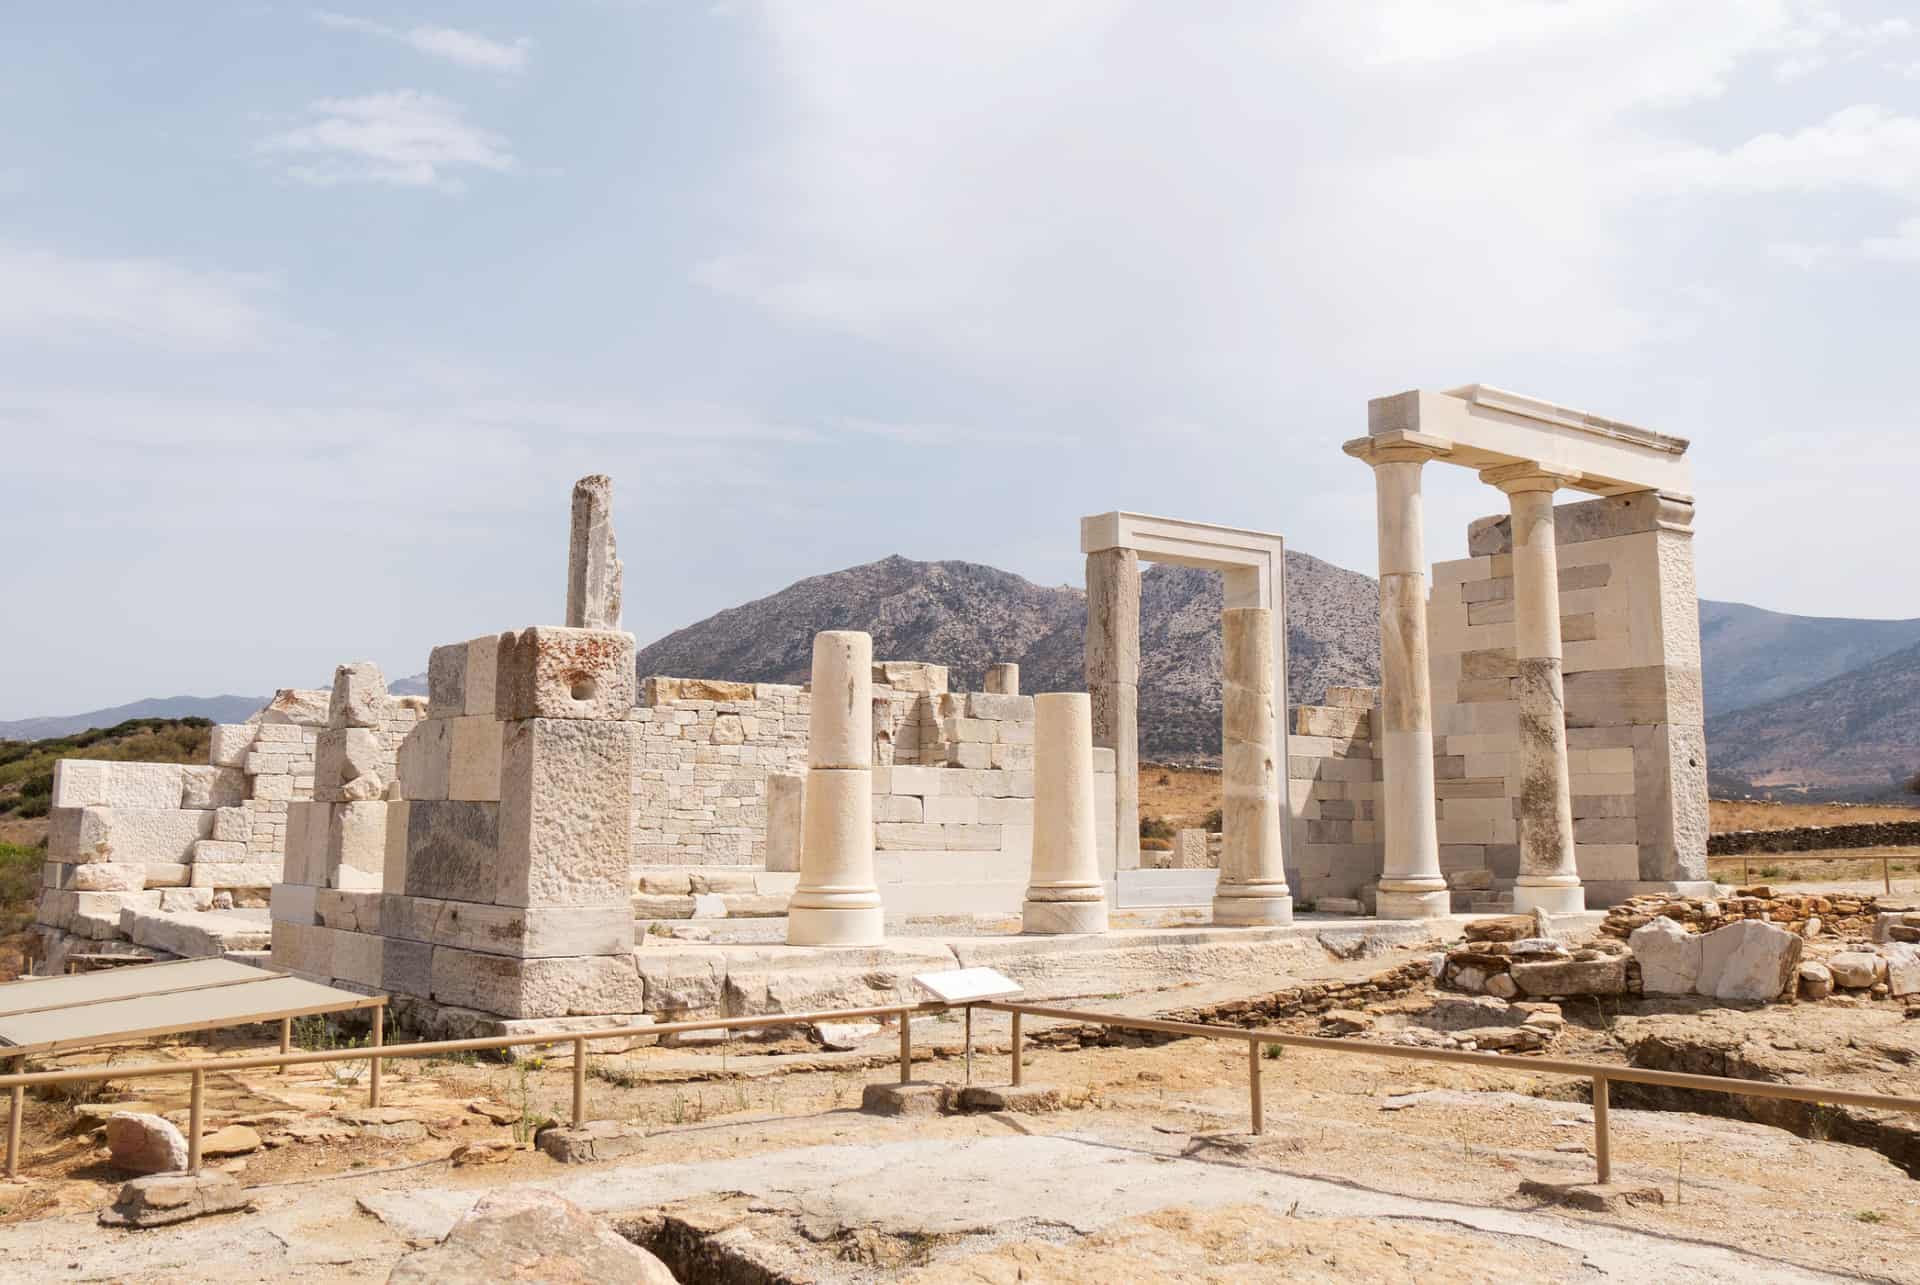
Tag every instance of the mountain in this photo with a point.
(1753, 656)
(967, 616)
(1856, 733)
(220, 709)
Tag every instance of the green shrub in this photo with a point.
(1155, 828)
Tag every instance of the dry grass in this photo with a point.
(1182, 796)
(1861, 866)
(1751, 814)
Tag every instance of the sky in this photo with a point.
(309, 317)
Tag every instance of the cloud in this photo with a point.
(1903, 245)
(466, 48)
(1863, 146)
(53, 297)
(404, 137)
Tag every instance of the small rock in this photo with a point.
(162, 1198)
(1470, 979)
(1022, 1099)
(1903, 968)
(483, 1152)
(594, 1140)
(1816, 980)
(234, 1140)
(395, 1124)
(494, 1111)
(1503, 928)
(1344, 1021)
(143, 1143)
(841, 1036)
(1813, 926)
(1595, 1197)
(916, 1098)
(1502, 986)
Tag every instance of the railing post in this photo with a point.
(286, 1040)
(379, 1039)
(579, 1081)
(196, 1116)
(906, 1048)
(1018, 1049)
(1255, 1099)
(1602, 1135)
(1886, 872)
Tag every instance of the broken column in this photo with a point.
(837, 902)
(1002, 680)
(1548, 878)
(1253, 878)
(1411, 886)
(1065, 893)
(1113, 683)
(594, 568)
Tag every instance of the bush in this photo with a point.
(1156, 828)
(1213, 823)
(19, 885)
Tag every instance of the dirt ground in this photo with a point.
(1391, 1127)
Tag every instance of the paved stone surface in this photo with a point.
(162, 1198)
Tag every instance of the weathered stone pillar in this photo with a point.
(1065, 893)
(1411, 886)
(593, 562)
(837, 902)
(1113, 682)
(1548, 879)
(1002, 680)
(1253, 878)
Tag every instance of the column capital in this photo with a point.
(1398, 447)
(1529, 475)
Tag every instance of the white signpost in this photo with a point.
(966, 987)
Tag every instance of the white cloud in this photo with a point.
(1863, 146)
(467, 48)
(1903, 245)
(48, 296)
(403, 137)
(1820, 35)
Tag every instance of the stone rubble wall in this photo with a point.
(1333, 788)
(130, 842)
(1816, 838)
(1635, 739)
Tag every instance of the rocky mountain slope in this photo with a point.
(1855, 733)
(968, 616)
(1754, 656)
(219, 709)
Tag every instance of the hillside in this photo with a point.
(968, 616)
(1753, 656)
(1857, 732)
(215, 709)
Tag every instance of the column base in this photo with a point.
(1411, 905)
(1057, 918)
(815, 926)
(1245, 912)
(1555, 899)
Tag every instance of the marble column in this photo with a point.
(594, 569)
(1002, 679)
(1113, 681)
(837, 902)
(1253, 878)
(1065, 893)
(1411, 886)
(1548, 879)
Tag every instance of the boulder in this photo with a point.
(1669, 957)
(143, 1143)
(594, 1140)
(1749, 960)
(1816, 980)
(1604, 976)
(1503, 928)
(529, 1236)
(1903, 968)
(162, 1198)
(1855, 969)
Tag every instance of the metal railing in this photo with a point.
(1767, 858)
(1599, 1074)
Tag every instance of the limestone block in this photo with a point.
(998, 708)
(126, 835)
(406, 967)
(212, 787)
(518, 931)
(393, 876)
(594, 569)
(238, 874)
(785, 791)
(1856, 969)
(425, 761)
(482, 675)
(306, 854)
(938, 838)
(217, 851)
(348, 910)
(1748, 960)
(565, 814)
(359, 696)
(293, 903)
(972, 754)
(356, 844)
(80, 783)
(1903, 968)
(908, 676)
(452, 849)
(232, 824)
(229, 743)
(560, 987)
(106, 876)
(345, 754)
(296, 706)
(447, 680)
(278, 787)
(1669, 955)
(473, 766)
(554, 673)
(1604, 976)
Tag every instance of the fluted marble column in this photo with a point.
(1411, 885)
(837, 902)
(1065, 893)
(1549, 879)
(1113, 681)
(1253, 879)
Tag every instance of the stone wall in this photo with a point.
(127, 839)
(1816, 838)
(1333, 786)
(1635, 739)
